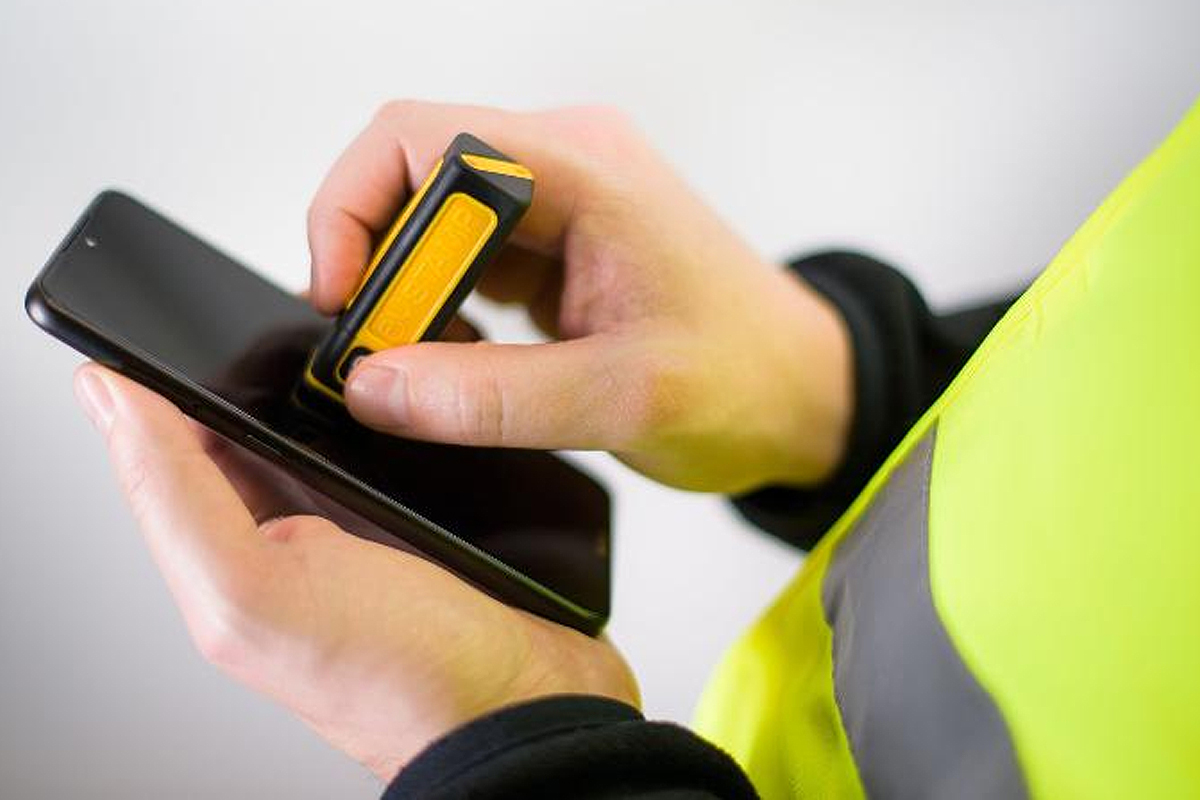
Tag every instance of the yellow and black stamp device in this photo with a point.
(426, 264)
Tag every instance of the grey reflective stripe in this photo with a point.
(919, 724)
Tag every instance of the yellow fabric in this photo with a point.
(770, 703)
(1065, 501)
(1065, 527)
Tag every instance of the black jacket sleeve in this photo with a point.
(596, 749)
(580, 747)
(904, 356)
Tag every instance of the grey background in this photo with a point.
(965, 141)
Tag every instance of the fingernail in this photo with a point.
(95, 398)
(378, 394)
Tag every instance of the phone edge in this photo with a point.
(477, 566)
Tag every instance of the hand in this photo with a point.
(380, 651)
(680, 350)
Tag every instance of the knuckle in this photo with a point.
(322, 216)
(218, 644)
(134, 468)
(223, 630)
(657, 398)
(238, 617)
(135, 479)
(287, 529)
(597, 129)
(481, 409)
(320, 222)
(606, 135)
(396, 112)
(317, 213)
(614, 128)
(607, 117)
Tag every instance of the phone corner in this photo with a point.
(108, 194)
(38, 305)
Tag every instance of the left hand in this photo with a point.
(380, 651)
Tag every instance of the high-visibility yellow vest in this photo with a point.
(1012, 606)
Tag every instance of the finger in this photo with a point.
(530, 279)
(547, 396)
(460, 329)
(267, 491)
(366, 186)
(517, 275)
(199, 532)
(364, 189)
(271, 493)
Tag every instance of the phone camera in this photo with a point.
(89, 241)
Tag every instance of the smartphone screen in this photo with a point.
(150, 289)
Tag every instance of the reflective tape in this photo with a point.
(919, 724)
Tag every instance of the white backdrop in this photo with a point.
(965, 141)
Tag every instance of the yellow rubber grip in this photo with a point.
(430, 273)
(390, 236)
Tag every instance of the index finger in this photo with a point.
(200, 533)
(368, 184)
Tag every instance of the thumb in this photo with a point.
(560, 395)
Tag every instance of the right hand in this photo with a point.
(679, 349)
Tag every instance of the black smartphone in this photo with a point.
(136, 292)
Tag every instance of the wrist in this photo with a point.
(813, 384)
(569, 662)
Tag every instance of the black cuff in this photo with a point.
(570, 746)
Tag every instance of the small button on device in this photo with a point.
(348, 362)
